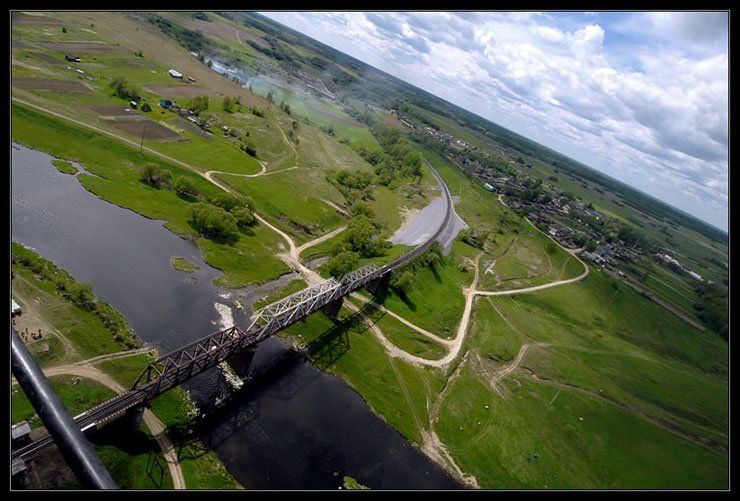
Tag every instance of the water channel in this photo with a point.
(294, 427)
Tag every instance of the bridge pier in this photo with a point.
(241, 362)
(132, 418)
(127, 425)
(332, 309)
(376, 285)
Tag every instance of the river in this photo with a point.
(293, 427)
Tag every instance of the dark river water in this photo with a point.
(291, 426)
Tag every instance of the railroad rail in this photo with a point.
(176, 367)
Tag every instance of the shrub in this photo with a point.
(154, 175)
(184, 186)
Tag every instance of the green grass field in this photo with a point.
(585, 385)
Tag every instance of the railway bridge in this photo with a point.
(178, 366)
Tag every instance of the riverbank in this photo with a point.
(89, 352)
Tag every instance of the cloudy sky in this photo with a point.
(640, 96)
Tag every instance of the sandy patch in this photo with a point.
(226, 317)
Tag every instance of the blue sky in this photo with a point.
(640, 96)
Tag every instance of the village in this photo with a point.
(566, 218)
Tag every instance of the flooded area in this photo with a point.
(291, 425)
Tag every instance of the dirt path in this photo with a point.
(335, 206)
(290, 258)
(659, 301)
(324, 238)
(156, 427)
(509, 368)
(33, 319)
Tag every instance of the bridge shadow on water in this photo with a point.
(277, 375)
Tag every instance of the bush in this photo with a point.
(472, 238)
(184, 186)
(154, 175)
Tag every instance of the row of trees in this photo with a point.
(220, 218)
(124, 89)
(198, 104)
(712, 307)
(230, 104)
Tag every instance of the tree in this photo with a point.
(248, 148)
(401, 282)
(154, 175)
(342, 263)
(630, 236)
(184, 186)
(591, 246)
(361, 235)
(214, 222)
(228, 104)
(198, 104)
(124, 90)
(226, 201)
(244, 217)
(81, 294)
(362, 209)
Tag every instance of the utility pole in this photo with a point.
(141, 147)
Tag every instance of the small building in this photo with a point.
(696, 276)
(594, 257)
(488, 186)
(20, 433)
(15, 308)
(175, 74)
(553, 231)
(17, 466)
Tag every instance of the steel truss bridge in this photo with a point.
(178, 366)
